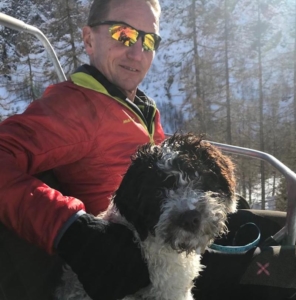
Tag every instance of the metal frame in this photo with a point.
(288, 233)
(19, 25)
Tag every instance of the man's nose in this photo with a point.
(136, 50)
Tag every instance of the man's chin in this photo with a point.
(130, 93)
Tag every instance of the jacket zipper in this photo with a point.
(87, 81)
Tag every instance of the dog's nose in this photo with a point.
(189, 220)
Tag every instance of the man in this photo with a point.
(85, 130)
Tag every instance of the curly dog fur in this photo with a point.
(175, 197)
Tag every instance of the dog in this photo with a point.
(175, 197)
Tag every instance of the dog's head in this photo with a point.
(177, 191)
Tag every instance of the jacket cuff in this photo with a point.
(64, 228)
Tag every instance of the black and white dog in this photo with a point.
(175, 197)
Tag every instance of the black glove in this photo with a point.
(105, 258)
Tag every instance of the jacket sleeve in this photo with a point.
(52, 131)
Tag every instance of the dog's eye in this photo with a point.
(170, 181)
(159, 193)
(214, 195)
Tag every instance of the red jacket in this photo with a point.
(86, 136)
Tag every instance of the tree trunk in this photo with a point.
(228, 110)
(199, 98)
(295, 78)
(261, 123)
(72, 37)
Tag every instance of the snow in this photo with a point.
(269, 195)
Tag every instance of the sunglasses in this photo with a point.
(128, 35)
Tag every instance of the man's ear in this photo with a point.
(87, 39)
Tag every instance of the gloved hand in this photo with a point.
(105, 257)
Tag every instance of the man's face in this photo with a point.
(124, 66)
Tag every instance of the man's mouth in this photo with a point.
(130, 69)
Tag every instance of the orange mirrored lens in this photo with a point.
(149, 42)
(126, 35)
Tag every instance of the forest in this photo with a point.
(225, 68)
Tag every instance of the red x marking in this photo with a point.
(262, 268)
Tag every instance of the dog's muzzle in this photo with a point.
(189, 220)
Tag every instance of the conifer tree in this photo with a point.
(65, 30)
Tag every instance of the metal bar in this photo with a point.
(19, 25)
(290, 176)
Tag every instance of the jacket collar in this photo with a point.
(111, 88)
(142, 104)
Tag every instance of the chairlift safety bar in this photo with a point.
(19, 25)
(289, 231)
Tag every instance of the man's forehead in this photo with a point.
(138, 13)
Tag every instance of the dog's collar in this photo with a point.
(240, 249)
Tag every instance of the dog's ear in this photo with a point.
(138, 197)
(126, 201)
(135, 219)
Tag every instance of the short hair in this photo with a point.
(100, 9)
